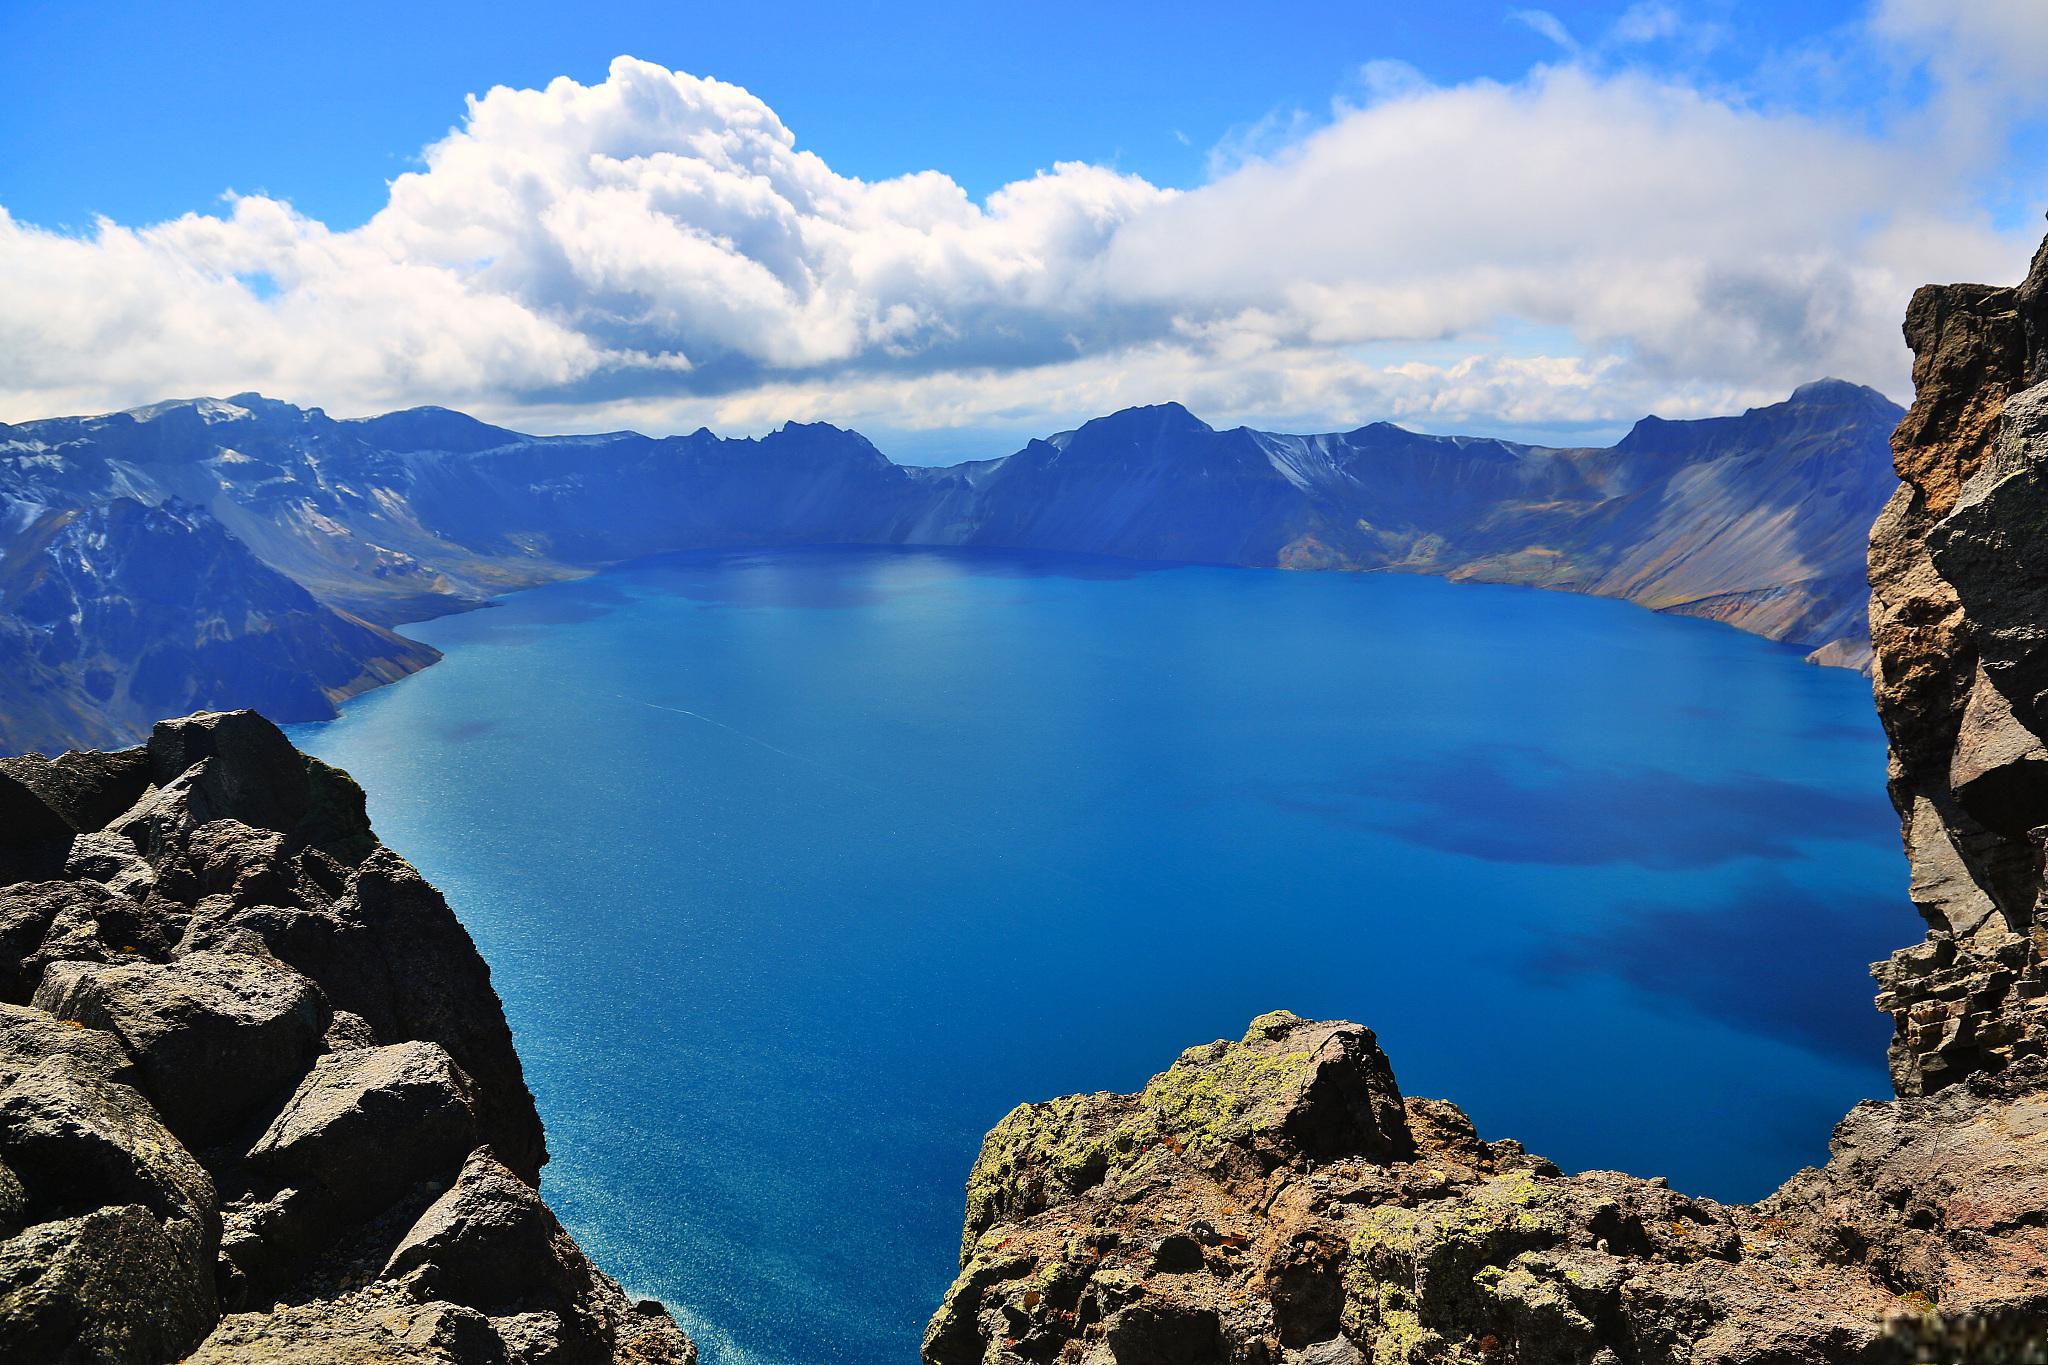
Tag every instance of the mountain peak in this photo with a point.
(1148, 423)
(432, 428)
(1830, 390)
(207, 410)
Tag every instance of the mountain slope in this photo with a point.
(1757, 520)
(285, 542)
(122, 612)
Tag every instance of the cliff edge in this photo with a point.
(1276, 1200)
(258, 1100)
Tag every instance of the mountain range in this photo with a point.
(214, 553)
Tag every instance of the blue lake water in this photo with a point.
(796, 870)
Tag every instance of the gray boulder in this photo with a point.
(113, 861)
(112, 1285)
(86, 789)
(33, 838)
(116, 1262)
(390, 951)
(26, 909)
(366, 1125)
(259, 1051)
(89, 923)
(29, 1038)
(252, 773)
(490, 1244)
(216, 1036)
(258, 777)
(377, 1325)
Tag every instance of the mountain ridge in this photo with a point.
(1755, 519)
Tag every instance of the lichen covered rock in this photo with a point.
(1397, 1243)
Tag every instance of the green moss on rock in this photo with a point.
(1226, 1092)
(1039, 1153)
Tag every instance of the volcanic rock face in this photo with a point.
(1958, 613)
(1227, 1214)
(258, 1101)
(1245, 1208)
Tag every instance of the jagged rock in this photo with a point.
(1999, 772)
(1940, 882)
(217, 1036)
(367, 1124)
(1433, 1246)
(33, 838)
(376, 1325)
(347, 1032)
(78, 1141)
(1958, 596)
(111, 1285)
(490, 1243)
(217, 929)
(29, 1037)
(1945, 1192)
(26, 822)
(261, 776)
(26, 910)
(237, 766)
(86, 789)
(115, 1261)
(1290, 1089)
(112, 861)
(370, 1137)
(76, 921)
(388, 950)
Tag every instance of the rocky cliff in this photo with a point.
(258, 1101)
(1277, 1199)
(250, 553)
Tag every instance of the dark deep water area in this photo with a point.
(797, 869)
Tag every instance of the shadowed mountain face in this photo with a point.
(250, 553)
(121, 612)
(1757, 520)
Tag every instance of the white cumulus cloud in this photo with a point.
(656, 249)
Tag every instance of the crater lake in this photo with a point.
(796, 870)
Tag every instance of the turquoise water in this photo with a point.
(796, 870)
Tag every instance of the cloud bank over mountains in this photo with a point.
(1592, 241)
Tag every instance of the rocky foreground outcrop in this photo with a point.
(258, 1101)
(1277, 1201)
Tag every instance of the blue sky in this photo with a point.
(955, 223)
(152, 109)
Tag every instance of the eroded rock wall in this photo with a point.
(1959, 607)
(258, 1101)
